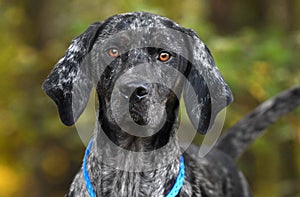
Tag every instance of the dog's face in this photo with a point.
(139, 64)
(141, 76)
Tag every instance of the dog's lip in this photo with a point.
(128, 125)
(128, 118)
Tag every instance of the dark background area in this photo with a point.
(255, 44)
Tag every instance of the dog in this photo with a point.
(140, 64)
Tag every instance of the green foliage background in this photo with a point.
(255, 44)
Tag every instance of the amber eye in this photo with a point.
(113, 52)
(164, 56)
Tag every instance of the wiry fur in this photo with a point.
(85, 65)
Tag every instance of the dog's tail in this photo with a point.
(236, 139)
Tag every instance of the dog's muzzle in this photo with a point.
(138, 95)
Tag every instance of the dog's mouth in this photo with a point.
(141, 110)
(139, 105)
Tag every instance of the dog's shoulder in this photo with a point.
(215, 174)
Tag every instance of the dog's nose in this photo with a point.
(139, 91)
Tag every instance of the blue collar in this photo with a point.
(174, 191)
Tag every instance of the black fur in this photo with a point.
(140, 37)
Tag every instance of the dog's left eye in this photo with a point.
(113, 52)
(164, 56)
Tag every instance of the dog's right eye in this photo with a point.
(164, 56)
(113, 52)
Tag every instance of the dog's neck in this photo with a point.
(115, 170)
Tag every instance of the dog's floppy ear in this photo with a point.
(211, 93)
(69, 83)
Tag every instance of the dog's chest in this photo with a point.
(136, 185)
(132, 184)
(111, 182)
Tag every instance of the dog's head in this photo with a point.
(139, 64)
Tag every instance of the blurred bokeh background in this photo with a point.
(256, 44)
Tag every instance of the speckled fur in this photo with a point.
(70, 83)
